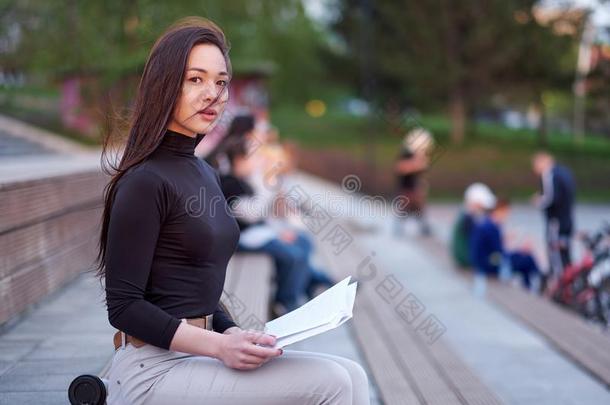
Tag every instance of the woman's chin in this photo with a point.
(208, 128)
(200, 128)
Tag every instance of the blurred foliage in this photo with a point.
(110, 39)
(431, 56)
(456, 53)
(598, 97)
(491, 153)
(339, 129)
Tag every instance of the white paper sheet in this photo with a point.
(325, 312)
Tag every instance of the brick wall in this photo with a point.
(48, 235)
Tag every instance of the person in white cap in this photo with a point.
(478, 199)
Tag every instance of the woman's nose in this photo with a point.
(208, 93)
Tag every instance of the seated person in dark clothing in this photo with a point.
(240, 129)
(488, 253)
(289, 249)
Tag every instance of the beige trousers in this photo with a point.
(154, 376)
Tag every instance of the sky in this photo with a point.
(321, 10)
(601, 10)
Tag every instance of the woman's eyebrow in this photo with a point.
(205, 71)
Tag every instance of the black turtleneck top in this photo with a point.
(169, 240)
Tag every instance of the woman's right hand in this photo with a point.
(246, 349)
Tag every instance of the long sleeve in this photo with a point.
(496, 247)
(486, 248)
(222, 320)
(140, 205)
(548, 190)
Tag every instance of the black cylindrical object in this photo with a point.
(87, 390)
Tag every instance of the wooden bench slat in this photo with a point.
(581, 342)
(249, 279)
(389, 377)
(585, 344)
(434, 374)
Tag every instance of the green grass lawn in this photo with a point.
(493, 154)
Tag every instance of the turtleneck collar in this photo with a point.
(180, 144)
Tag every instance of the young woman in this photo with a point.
(164, 247)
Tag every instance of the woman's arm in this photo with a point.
(222, 318)
(140, 205)
(242, 350)
(195, 340)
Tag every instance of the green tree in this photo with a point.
(108, 41)
(454, 53)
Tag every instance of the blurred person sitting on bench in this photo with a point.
(489, 255)
(477, 199)
(290, 249)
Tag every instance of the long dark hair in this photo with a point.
(157, 94)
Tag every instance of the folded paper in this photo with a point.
(327, 311)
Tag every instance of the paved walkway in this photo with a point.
(516, 363)
(68, 334)
(11, 146)
(64, 336)
(28, 152)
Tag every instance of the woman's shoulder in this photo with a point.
(145, 190)
(145, 180)
(142, 174)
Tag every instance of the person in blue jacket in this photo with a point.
(488, 254)
(478, 200)
(556, 200)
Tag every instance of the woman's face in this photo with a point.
(205, 79)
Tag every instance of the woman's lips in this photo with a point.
(208, 114)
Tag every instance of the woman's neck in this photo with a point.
(181, 130)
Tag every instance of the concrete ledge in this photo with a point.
(47, 229)
(45, 138)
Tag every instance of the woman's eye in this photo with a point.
(195, 79)
(222, 83)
